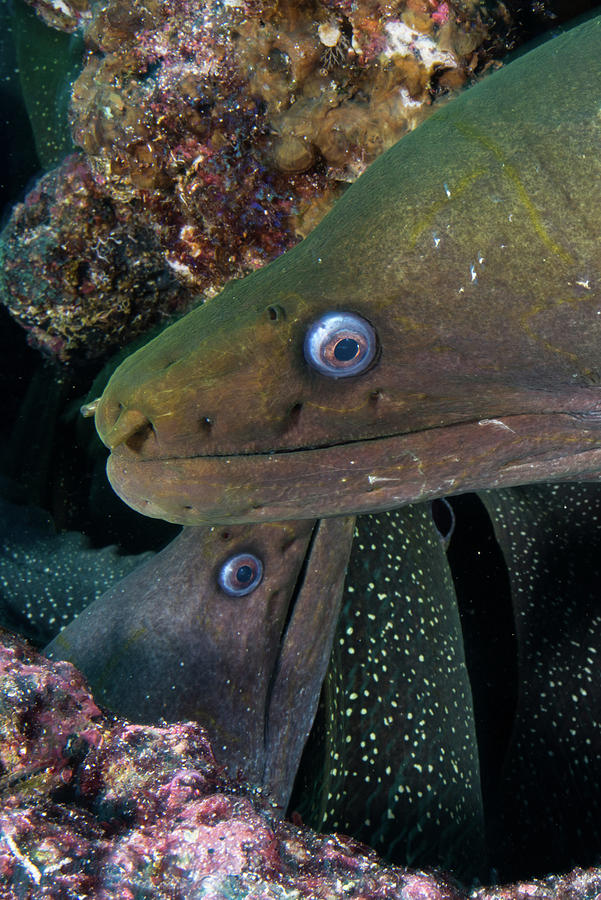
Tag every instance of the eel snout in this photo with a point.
(118, 426)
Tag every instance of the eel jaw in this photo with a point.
(359, 477)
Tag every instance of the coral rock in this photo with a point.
(82, 272)
(96, 807)
(223, 129)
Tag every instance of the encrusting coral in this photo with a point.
(82, 271)
(94, 806)
(215, 136)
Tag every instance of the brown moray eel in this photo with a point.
(394, 760)
(232, 628)
(439, 331)
(393, 756)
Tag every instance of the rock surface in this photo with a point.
(93, 806)
(213, 137)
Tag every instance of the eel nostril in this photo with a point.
(294, 415)
(138, 438)
(131, 427)
(89, 409)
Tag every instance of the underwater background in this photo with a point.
(151, 152)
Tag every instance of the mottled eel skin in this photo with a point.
(465, 266)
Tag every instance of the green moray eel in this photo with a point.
(439, 331)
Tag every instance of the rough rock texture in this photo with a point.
(215, 136)
(92, 806)
(66, 15)
(80, 268)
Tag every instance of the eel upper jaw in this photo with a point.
(363, 476)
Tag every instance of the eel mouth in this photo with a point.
(361, 476)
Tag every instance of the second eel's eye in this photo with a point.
(240, 574)
(340, 344)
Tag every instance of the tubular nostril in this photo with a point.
(89, 409)
(132, 428)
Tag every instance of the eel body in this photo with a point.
(457, 288)
(393, 757)
(427, 723)
(547, 809)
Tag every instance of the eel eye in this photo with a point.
(340, 344)
(240, 574)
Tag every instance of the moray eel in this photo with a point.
(393, 757)
(439, 331)
(232, 628)
(46, 576)
(418, 738)
(548, 805)
(397, 683)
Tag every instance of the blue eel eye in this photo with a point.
(340, 344)
(240, 574)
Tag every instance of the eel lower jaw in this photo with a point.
(363, 476)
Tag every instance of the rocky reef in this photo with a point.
(93, 806)
(213, 137)
(94, 265)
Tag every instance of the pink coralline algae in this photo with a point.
(93, 806)
(441, 13)
(227, 130)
